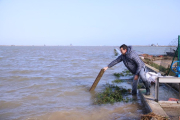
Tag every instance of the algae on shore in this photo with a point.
(111, 94)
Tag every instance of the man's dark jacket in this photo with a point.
(131, 60)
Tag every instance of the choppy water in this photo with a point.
(52, 83)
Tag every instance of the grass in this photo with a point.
(159, 67)
(111, 94)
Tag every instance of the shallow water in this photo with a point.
(50, 83)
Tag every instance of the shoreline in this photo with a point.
(77, 46)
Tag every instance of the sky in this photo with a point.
(89, 22)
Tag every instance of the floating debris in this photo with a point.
(115, 52)
(173, 99)
(153, 116)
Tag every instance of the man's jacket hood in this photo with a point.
(129, 49)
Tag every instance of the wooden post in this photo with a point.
(97, 79)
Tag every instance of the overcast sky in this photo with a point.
(89, 22)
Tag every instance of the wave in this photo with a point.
(22, 71)
(9, 104)
(30, 97)
(91, 113)
(41, 59)
(23, 79)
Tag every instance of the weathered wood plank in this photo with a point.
(97, 79)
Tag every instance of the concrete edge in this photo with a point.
(151, 105)
(148, 108)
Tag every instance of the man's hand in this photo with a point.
(136, 77)
(105, 68)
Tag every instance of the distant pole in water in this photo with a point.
(97, 79)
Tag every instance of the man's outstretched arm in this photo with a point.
(114, 62)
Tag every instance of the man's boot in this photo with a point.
(147, 88)
(134, 92)
(146, 83)
(147, 91)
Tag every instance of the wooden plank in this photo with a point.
(97, 79)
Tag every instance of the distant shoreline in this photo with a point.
(78, 46)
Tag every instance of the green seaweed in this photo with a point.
(111, 94)
(123, 73)
(117, 74)
(117, 81)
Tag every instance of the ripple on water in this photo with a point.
(103, 112)
(56, 81)
(30, 97)
(9, 104)
(23, 79)
(22, 72)
(41, 59)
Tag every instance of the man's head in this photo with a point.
(123, 49)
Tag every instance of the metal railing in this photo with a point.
(165, 79)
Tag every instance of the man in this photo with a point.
(134, 64)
